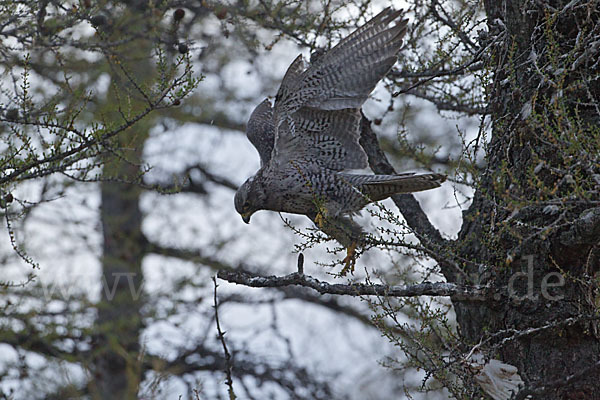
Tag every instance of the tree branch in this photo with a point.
(289, 292)
(447, 20)
(436, 73)
(407, 204)
(294, 380)
(456, 292)
(183, 254)
(443, 105)
(190, 184)
(221, 336)
(209, 176)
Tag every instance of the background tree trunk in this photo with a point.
(117, 364)
(119, 324)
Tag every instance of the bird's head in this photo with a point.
(248, 199)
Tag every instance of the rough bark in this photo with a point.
(509, 235)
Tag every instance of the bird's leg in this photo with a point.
(343, 229)
(350, 260)
(321, 218)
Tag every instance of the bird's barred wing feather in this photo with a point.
(374, 26)
(345, 75)
(261, 131)
(322, 138)
(291, 77)
(311, 105)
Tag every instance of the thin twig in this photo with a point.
(221, 334)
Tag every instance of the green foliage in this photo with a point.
(50, 121)
(57, 117)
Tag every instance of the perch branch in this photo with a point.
(456, 292)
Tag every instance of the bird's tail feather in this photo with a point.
(379, 187)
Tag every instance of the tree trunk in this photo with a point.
(116, 368)
(533, 229)
(116, 363)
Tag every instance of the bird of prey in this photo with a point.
(309, 138)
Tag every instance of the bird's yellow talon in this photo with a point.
(350, 260)
(321, 218)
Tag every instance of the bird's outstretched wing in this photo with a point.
(261, 131)
(322, 138)
(316, 117)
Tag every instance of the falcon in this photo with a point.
(309, 139)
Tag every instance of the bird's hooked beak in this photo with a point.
(246, 217)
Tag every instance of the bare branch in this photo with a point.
(209, 176)
(447, 20)
(185, 183)
(294, 380)
(184, 254)
(443, 105)
(436, 73)
(406, 203)
(221, 334)
(475, 61)
(456, 292)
